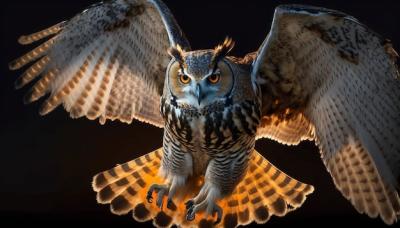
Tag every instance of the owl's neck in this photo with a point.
(195, 111)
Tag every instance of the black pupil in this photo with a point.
(185, 78)
(214, 77)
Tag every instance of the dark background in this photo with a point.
(47, 163)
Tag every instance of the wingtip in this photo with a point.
(23, 40)
(13, 65)
(18, 84)
(31, 96)
(28, 98)
(43, 112)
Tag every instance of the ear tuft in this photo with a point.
(177, 53)
(222, 50)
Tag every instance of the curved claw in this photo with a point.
(161, 191)
(189, 204)
(218, 211)
(190, 216)
(149, 197)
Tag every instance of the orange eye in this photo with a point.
(184, 79)
(214, 79)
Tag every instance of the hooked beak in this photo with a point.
(198, 93)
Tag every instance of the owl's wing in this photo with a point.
(108, 62)
(326, 77)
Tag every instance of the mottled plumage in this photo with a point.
(320, 75)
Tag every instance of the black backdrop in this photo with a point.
(47, 163)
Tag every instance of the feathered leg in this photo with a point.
(175, 169)
(223, 174)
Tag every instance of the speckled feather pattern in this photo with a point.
(333, 80)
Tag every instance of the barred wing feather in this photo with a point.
(326, 77)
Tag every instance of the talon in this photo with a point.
(189, 204)
(218, 211)
(190, 216)
(149, 196)
(161, 191)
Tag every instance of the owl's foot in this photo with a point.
(162, 191)
(191, 211)
(204, 201)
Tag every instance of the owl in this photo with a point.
(319, 75)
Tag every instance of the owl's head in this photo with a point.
(201, 78)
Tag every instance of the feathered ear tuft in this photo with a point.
(222, 50)
(177, 53)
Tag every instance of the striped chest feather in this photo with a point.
(215, 129)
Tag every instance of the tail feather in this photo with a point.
(243, 212)
(126, 183)
(115, 174)
(263, 192)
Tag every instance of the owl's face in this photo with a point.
(198, 80)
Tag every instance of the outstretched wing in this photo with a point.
(107, 62)
(324, 76)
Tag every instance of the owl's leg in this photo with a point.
(221, 178)
(175, 175)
